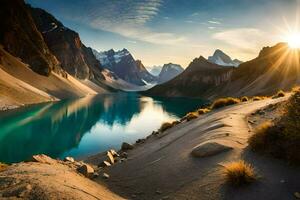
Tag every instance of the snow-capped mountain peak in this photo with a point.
(220, 58)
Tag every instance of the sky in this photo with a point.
(177, 31)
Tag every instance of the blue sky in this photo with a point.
(162, 31)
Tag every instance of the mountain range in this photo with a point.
(122, 64)
(220, 58)
(274, 68)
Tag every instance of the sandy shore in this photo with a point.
(163, 168)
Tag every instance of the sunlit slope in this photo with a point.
(20, 85)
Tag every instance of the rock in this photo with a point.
(95, 175)
(158, 192)
(114, 153)
(69, 159)
(133, 196)
(155, 133)
(209, 149)
(122, 159)
(105, 176)
(126, 146)
(110, 157)
(86, 170)
(297, 195)
(140, 141)
(124, 155)
(104, 164)
(42, 158)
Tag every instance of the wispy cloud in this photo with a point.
(213, 22)
(247, 40)
(129, 18)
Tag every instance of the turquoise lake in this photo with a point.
(85, 126)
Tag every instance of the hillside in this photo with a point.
(20, 85)
(275, 68)
(20, 36)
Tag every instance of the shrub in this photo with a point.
(165, 126)
(202, 111)
(279, 94)
(174, 123)
(239, 173)
(2, 166)
(258, 140)
(244, 99)
(258, 98)
(281, 139)
(190, 116)
(219, 103)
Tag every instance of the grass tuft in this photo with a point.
(190, 116)
(279, 94)
(244, 99)
(202, 111)
(3, 166)
(258, 140)
(222, 102)
(258, 98)
(166, 126)
(239, 173)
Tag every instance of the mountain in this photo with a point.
(155, 70)
(20, 37)
(168, 72)
(125, 66)
(275, 68)
(75, 58)
(220, 58)
(195, 80)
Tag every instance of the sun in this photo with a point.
(293, 40)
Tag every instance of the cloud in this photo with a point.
(211, 27)
(128, 18)
(214, 22)
(243, 39)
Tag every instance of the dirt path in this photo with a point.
(163, 168)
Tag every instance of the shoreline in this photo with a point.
(153, 167)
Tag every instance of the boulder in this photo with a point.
(114, 153)
(86, 170)
(104, 164)
(42, 158)
(105, 176)
(69, 159)
(110, 157)
(124, 155)
(126, 146)
(209, 149)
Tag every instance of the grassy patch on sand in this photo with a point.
(281, 139)
(239, 173)
(222, 102)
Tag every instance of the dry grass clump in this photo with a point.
(258, 98)
(202, 111)
(239, 173)
(190, 116)
(244, 99)
(166, 126)
(3, 166)
(222, 102)
(279, 94)
(258, 140)
(281, 139)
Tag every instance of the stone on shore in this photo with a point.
(86, 170)
(126, 146)
(69, 159)
(42, 158)
(209, 149)
(110, 157)
(105, 176)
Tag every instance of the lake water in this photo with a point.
(85, 126)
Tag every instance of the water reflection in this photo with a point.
(84, 126)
